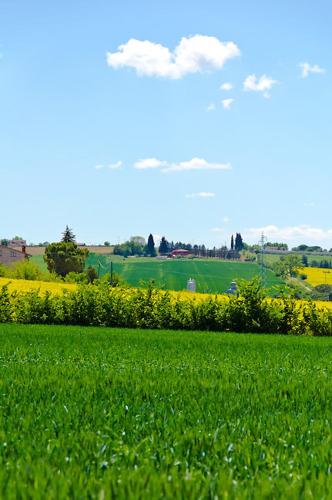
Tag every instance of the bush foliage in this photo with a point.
(102, 305)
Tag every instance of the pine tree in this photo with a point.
(68, 235)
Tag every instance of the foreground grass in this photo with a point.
(100, 413)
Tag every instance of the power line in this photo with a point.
(262, 242)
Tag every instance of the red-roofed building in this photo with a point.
(179, 252)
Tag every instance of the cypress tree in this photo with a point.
(164, 246)
(150, 246)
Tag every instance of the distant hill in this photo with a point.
(211, 275)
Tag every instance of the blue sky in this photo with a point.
(144, 139)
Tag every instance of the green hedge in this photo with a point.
(249, 311)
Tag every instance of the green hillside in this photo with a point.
(212, 276)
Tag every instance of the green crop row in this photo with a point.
(96, 413)
(248, 311)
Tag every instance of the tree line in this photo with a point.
(137, 246)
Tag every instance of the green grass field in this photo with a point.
(99, 413)
(271, 259)
(211, 275)
(39, 261)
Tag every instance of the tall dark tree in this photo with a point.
(164, 246)
(238, 242)
(232, 242)
(150, 246)
(68, 235)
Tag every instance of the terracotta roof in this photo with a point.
(11, 249)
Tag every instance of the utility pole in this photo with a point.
(111, 273)
(262, 242)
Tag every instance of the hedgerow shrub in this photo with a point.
(102, 305)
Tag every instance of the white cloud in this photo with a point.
(217, 229)
(227, 103)
(112, 166)
(193, 164)
(193, 54)
(196, 164)
(262, 84)
(307, 68)
(303, 233)
(202, 194)
(226, 219)
(226, 86)
(211, 107)
(149, 163)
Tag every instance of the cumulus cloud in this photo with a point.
(194, 54)
(196, 164)
(226, 86)
(193, 164)
(262, 84)
(301, 233)
(227, 103)
(307, 68)
(202, 194)
(111, 166)
(147, 163)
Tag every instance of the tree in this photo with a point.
(91, 274)
(238, 242)
(68, 235)
(164, 246)
(288, 266)
(65, 257)
(107, 244)
(304, 261)
(150, 248)
(128, 248)
(4, 242)
(138, 240)
(232, 242)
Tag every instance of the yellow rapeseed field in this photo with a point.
(58, 288)
(42, 286)
(318, 276)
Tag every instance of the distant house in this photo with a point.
(17, 243)
(179, 252)
(11, 255)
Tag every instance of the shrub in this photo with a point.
(103, 305)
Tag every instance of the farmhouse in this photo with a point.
(11, 255)
(180, 253)
(17, 243)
